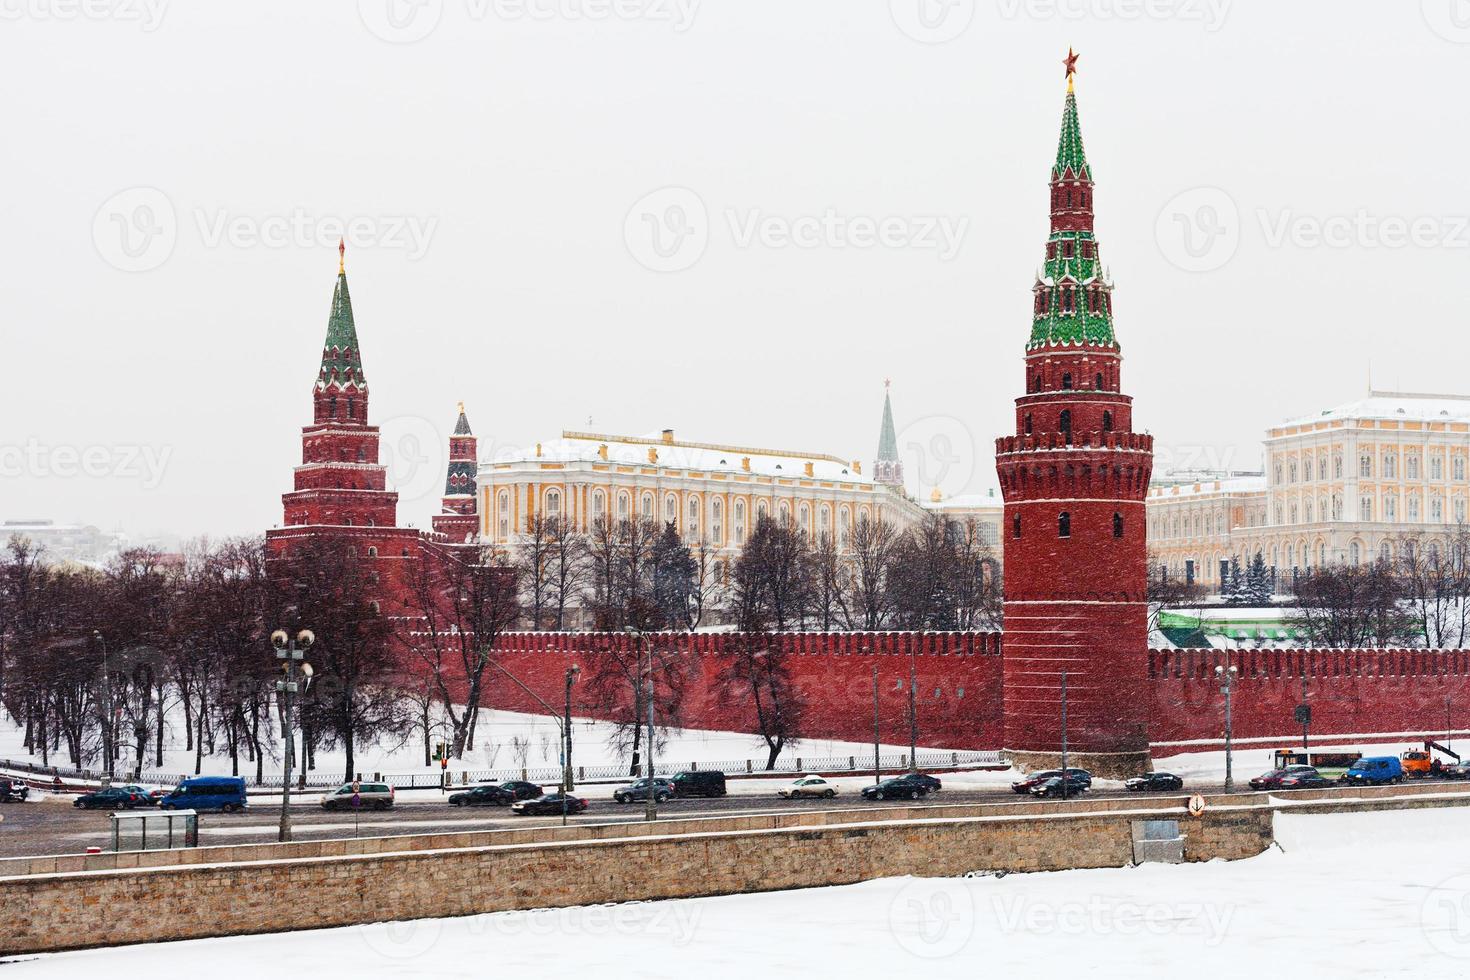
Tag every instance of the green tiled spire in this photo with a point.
(887, 437)
(341, 358)
(1073, 294)
(1070, 153)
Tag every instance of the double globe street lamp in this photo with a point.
(293, 653)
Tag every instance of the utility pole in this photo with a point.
(877, 768)
(293, 652)
(566, 745)
(913, 721)
(1306, 716)
(108, 749)
(1064, 734)
(1228, 677)
(650, 809)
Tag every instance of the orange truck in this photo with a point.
(1419, 763)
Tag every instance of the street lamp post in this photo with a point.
(877, 766)
(556, 716)
(108, 750)
(1227, 676)
(913, 720)
(293, 652)
(1064, 734)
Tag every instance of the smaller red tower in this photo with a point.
(460, 520)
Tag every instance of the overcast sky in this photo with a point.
(734, 218)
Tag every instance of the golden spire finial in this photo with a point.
(341, 256)
(461, 408)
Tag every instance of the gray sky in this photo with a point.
(858, 192)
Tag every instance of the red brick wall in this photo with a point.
(958, 675)
(1351, 692)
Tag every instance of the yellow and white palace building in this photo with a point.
(1348, 485)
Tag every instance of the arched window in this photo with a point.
(648, 506)
(1436, 468)
(717, 521)
(625, 504)
(805, 518)
(553, 503)
(671, 509)
(502, 506)
(1016, 526)
(1107, 421)
(1365, 465)
(599, 503)
(1337, 466)
(691, 528)
(785, 513)
(372, 552)
(1064, 524)
(740, 522)
(1390, 507)
(1064, 423)
(1117, 525)
(1028, 423)
(1436, 510)
(1365, 509)
(1459, 467)
(1411, 469)
(1066, 381)
(760, 510)
(1099, 381)
(1390, 465)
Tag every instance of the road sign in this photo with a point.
(1196, 805)
(1303, 714)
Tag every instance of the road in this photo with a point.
(50, 825)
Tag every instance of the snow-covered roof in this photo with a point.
(1395, 405)
(967, 501)
(1232, 485)
(586, 447)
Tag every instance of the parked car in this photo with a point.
(1308, 778)
(1154, 782)
(1272, 778)
(1029, 782)
(663, 789)
(1375, 771)
(1460, 770)
(519, 789)
(910, 786)
(226, 793)
(147, 796)
(13, 790)
(807, 786)
(699, 782)
(487, 795)
(548, 804)
(370, 796)
(1032, 780)
(1074, 786)
(112, 798)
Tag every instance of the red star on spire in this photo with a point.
(1071, 63)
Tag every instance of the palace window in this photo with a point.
(671, 509)
(553, 503)
(1411, 468)
(1436, 468)
(691, 529)
(1390, 507)
(1413, 508)
(1365, 509)
(1292, 470)
(1337, 466)
(1390, 466)
(1365, 465)
(1459, 510)
(648, 506)
(1436, 510)
(806, 518)
(1064, 525)
(623, 505)
(717, 521)
(1459, 467)
(599, 503)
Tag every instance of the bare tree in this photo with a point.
(873, 542)
(1348, 606)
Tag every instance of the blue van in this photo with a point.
(1375, 771)
(225, 793)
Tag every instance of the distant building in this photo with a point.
(64, 542)
(1348, 485)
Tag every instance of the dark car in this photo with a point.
(113, 798)
(1036, 779)
(146, 796)
(1460, 770)
(519, 789)
(699, 782)
(1153, 782)
(1272, 779)
(13, 790)
(487, 795)
(910, 786)
(549, 805)
(1305, 778)
(1053, 787)
(663, 789)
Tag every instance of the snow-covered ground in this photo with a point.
(505, 740)
(1346, 895)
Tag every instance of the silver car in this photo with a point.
(370, 796)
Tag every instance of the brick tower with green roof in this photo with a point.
(459, 520)
(340, 482)
(1074, 477)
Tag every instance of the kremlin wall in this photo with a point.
(1074, 476)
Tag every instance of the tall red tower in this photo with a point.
(1074, 478)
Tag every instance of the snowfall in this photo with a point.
(1345, 895)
